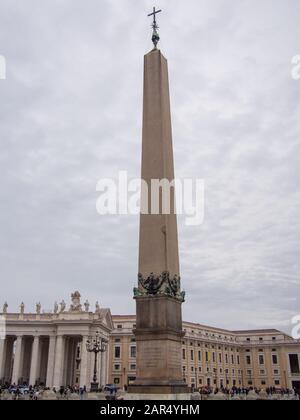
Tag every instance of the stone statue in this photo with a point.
(87, 306)
(55, 307)
(76, 305)
(22, 308)
(62, 306)
(38, 308)
(5, 306)
(97, 308)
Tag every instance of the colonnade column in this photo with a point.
(59, 361)
(35, 359)
(17, 360)
(103, 368)
(51, 361)
(84, 362)
(3, 343)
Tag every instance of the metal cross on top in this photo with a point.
(155, 35)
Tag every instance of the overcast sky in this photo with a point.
(71, 113)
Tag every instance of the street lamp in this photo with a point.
(96, 345)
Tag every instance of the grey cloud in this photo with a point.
(71, 112)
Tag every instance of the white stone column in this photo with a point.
(2, 356)
(59, 361)
(51, 361)
(83, 362)
(103, 369)
(35, 359)
(17, 360)
(88, 373)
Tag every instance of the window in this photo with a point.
(117, 352)
(274, 359)
(250, 383)
(116, 367)
(226, 358)
(183, 354)
(199, 356)
(261, 359)
(116, 381)
(117, 340)
(263, 382)
(262, 372)
(206, 356)
(261, 350)
(119, 326)
(192, 354)
(238, 359)
(273, 338)
(294, 363)
(248, 360)
(220, 358)
(249, 372)
(260, 339)
(133, 340)
(214, 357)
(276, 371)
(133, 351)
(277, 382)
(232, 359)
(132, 367)
(192, 368)
(248, 339)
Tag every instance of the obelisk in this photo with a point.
(158, 295)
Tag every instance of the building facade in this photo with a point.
(50, 348)
(215, 357)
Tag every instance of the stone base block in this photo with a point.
(158, 389)
(157, 397)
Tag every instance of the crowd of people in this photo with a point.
(37, 392)
(242, 391)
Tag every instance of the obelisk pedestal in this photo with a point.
(158, 295)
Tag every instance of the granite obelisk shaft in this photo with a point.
(158, 296)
